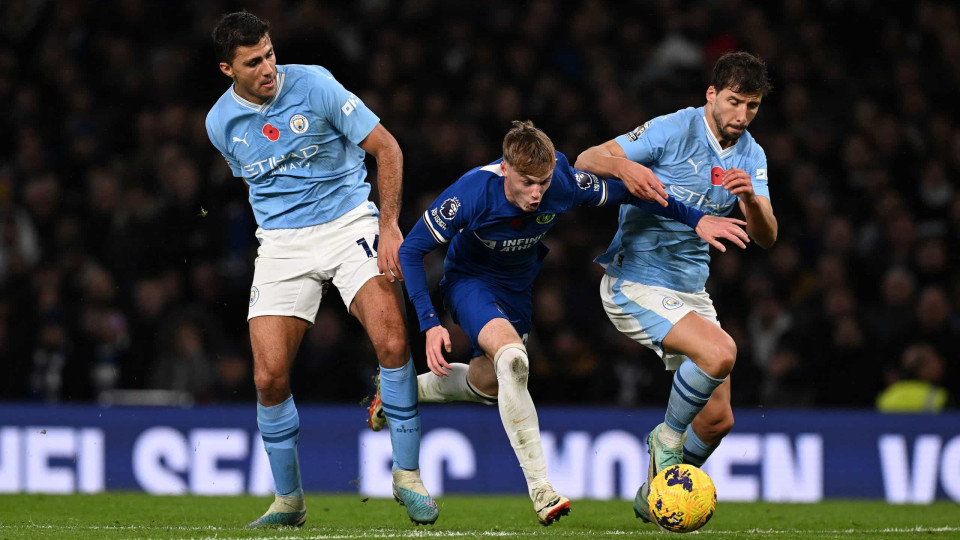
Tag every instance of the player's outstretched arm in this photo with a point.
(617, 194)
(609, 160)
(381, 144)
(711, 229)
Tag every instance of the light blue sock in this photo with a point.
(398, 391)
(280, 431)
(691, 390)
(695, 451)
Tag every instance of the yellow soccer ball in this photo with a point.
(682, 498)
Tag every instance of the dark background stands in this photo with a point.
(126, 247)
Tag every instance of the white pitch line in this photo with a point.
(383, 533)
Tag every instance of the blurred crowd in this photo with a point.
(126, 247)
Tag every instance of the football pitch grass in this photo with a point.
(134, 515)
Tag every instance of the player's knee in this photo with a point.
(512, 365)
(273, 386)
(392, 352)
(723, 355)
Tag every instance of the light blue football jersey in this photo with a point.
(681, 150)
(299, 150)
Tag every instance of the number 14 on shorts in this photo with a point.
(362, 242)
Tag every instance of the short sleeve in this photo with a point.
(758, 172)
(344, 110)
(645, 143)
(214, 134)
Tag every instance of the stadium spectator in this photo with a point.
(916, 388)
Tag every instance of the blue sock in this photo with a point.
(691, 390)
(398, 391)
(280, 431)
(695, 451)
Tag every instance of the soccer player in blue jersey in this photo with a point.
(493, 219)
(298, 138)
(656, 269)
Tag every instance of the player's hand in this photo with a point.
(738, 182)
(388, 257)
(643, 183)
(438, 340)
(712, 229)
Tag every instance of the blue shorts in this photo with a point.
(473, 303)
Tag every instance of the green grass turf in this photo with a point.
(130, 515)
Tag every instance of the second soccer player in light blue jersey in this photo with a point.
(298, 139)
(653, 290)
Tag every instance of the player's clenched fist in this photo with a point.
(738, 182)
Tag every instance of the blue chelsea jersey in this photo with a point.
(682, 152)
(493, 240)
(298, 151)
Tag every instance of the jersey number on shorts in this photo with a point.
(366, 247)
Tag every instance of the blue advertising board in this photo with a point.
(600, 453)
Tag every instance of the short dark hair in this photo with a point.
(528, 149)
(743, 73)
(240, 29)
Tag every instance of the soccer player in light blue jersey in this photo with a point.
(656, 269)
(493, 220)
(298, 139)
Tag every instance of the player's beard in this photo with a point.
(725, 137)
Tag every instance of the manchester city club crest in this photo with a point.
(254, 295)
(299, 123)
(670, 302)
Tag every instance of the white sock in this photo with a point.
(518, 414)
(454, 387)
(670, 437)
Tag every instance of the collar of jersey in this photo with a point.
(714, 143)
(281, 76)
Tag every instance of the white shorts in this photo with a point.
(646, 313)
(292, 264)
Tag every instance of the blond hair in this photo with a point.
(528, 149)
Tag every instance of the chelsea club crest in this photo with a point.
(543, 219)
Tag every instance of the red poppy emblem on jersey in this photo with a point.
(716, 176)
(516, 223)
(271, 132)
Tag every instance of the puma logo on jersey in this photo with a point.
(243, 140)
(695, 165)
